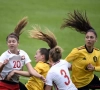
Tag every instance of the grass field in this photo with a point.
(46, 13)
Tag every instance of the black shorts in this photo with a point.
(94, 82)
(22, 86)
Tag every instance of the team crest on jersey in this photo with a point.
(23, 57)
(94, 58)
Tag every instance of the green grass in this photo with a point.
(46, 13)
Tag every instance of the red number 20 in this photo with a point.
(17, 64)
(65, 76)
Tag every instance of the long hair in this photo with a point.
(49, 38)
(18, 29)
(79, 22)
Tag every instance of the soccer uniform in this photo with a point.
(35, 83)
(80, 58)
(59, 76)
(16, 62)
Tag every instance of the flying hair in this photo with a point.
(78, 21)
(18, 29)
(47, 36)
(20, 26)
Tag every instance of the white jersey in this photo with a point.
(59, 76)
(16, 62)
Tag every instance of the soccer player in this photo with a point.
(85, 59)
(41, 57)
(14, 59)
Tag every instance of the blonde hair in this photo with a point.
(55, 51)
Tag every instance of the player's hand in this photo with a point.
(90, 67)
(42, 78)
(10, 75)
(5, 62)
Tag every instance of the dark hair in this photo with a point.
(45, 52)
(48, 37)
(18, 29)
(79, 21)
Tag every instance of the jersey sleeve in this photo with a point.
(73, 55)
(38, 67)
(49, 80)
(3, 57)
(69, 65)
(27, 59)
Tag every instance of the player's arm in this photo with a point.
(3, 64)
(73, 55)
(22, 73)
(33, 72)
(97, 67)
(91, 67)
(47, 87)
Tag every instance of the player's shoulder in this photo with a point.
(96, 49)
(81, 47)
(22, 52)
(6, 52)
(63, 61)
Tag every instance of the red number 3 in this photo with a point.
(63, 72)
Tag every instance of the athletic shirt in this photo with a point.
(59, 76)
(16, 62)
(35, 83)
(80, 58)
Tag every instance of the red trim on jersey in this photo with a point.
(11, 53)
(56, 62)
(55, 86)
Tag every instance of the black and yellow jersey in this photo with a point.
(80, 58)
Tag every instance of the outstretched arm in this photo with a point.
(23, 73)
(33, 72)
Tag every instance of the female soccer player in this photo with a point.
(85, 59)
(14, 59)
(41, 57)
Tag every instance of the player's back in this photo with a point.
(61, 77)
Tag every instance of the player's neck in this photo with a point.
(54, 63)
(15, 52)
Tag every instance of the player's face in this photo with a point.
(90, 39)
(38, 57)
(12, 44)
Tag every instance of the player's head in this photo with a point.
(42, 54)
(13, 38)
(55, 54)
(80, 23)
(47, 36)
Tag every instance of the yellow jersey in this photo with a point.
(35, 83)
(80, 58)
